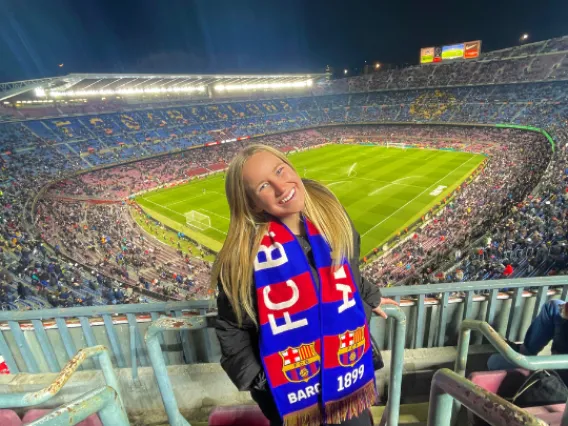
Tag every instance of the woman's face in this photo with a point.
(273, 186)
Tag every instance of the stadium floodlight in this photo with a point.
(40, 92)
(256, 86)
(524, 37)
(345, 71)
(107, 92)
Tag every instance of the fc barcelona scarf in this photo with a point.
(314, 343)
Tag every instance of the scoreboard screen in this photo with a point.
(426, 55)
(454, 51)
(469, 50)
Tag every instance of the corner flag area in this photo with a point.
(383, 189)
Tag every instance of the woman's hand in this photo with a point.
(384, 301)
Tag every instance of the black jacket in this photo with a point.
(239, 345)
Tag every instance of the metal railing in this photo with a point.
(119, 324)
(44, 340)
(27, 399)
(529, 362)
(390, 415)
(442, 300)
(106, 401)
(447, 386)
(157, 358)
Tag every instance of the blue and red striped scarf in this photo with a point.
(314, 343)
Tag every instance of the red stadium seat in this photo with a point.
(9, 418)
(240, 415)
(505, 383)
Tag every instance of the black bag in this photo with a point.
(377, 357)
(543, 387)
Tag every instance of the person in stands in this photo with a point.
(293, 309)
(550, 324)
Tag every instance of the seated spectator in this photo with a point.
(551, 324)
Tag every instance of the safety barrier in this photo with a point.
(447, 386)
(103, 401)
(390, 415)
(33, 335)
(44, 340)
(106, 400)
(157, 358)
(539, 362)
(27, 399)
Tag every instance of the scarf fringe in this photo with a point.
(310, 416)
(352, 405)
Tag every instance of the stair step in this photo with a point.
(410, 414)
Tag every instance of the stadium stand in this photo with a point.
(526, 89)
(70, 234)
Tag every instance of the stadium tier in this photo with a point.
(462, 181)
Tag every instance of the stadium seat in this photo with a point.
(9, 418)
(241, 415)
(505, 383)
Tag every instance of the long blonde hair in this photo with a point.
(233, 267)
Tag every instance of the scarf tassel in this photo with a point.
(310, 416)
(352, 405)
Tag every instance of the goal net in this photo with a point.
(198, 220)
(396, 145)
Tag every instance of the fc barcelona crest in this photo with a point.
(351, 347)
(300, 364)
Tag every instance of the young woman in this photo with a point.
(293, 308)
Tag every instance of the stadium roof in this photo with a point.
(109, 84)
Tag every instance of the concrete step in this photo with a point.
(410, 414)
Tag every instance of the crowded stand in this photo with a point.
(80, 245)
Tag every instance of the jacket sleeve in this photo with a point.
(238, 345)
(370, 293)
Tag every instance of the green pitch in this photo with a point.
(383, 189)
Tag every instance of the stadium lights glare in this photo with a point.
(345, 71)
(39, 92)
(255, 86)
(525, 36)
(150, 90)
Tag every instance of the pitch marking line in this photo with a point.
(376, 191)
(182, 200)
(400, 208)
(337, 183)
(181, 215)
(215, 214)
(192, 198)
(392, 183)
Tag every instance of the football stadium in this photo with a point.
(454, 174)
(383, 189)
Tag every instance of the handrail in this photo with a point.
(447, 385)
(392, 411)
(512, 356)
(26, 399)
(390, 415)
(105, 401)
(89, 311)
(210, 304)
(472, 285)
(531, 362)
(160, 370)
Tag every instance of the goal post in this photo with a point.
(197, 220)
(396, 145)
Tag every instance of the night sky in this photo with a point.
(252, 36)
